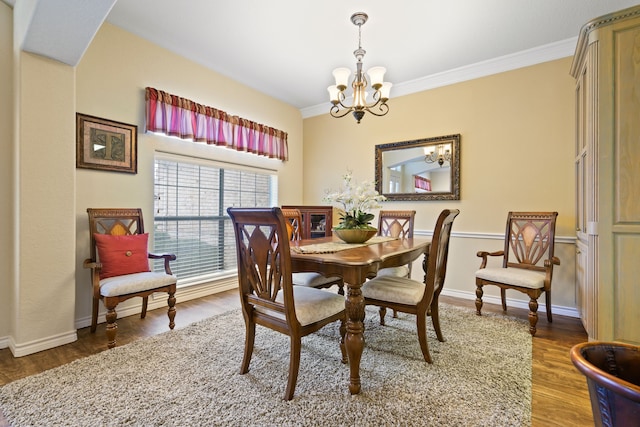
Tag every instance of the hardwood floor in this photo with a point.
(559, 393)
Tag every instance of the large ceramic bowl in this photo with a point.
(354, 235)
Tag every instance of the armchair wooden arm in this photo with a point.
(554, 260)
(485, 254)
(89, 263)
(167, 259)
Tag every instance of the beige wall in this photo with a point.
(6, 165)
(110, 83)
(38, 193)
(517, 139)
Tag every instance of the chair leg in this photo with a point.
(503, 296)
(548, 302)
(341, 288)
(250, 335)
(383, 312)
(421, 324)
(343, 347)
(294, 366)
(479, 293)
(435, 318)
(112, 326)
(145, 302)
(395, 313)
(533, 315)
(171, 301)
(94, 315)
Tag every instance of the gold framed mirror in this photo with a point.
(421, 169)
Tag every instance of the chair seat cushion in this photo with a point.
(313, 305)
(394, 289)
(513, 276)
(137, 282)
(402, 271)
(122, 254)
(313, 280)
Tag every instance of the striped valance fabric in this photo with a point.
(185, 119)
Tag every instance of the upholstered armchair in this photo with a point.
(527, 262)
(119, 263)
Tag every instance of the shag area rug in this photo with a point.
(481, 376)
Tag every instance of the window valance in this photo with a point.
(185, 119)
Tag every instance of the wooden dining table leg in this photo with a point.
(354, 339)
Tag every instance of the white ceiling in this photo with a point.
(288, 48)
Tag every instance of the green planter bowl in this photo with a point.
(355, 235)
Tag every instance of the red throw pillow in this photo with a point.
(122, 254)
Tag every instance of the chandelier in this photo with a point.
(440, 155)
(378, 106)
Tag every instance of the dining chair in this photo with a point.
(527, 262)
(309, 279)
(119, 263)
(268, 297)
(420, 298)
(398, 224)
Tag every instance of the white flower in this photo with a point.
(355, 201)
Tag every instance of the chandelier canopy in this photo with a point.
(440, 155)
(378, 106)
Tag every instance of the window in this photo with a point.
(190, 215)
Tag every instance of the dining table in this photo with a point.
(355, 263)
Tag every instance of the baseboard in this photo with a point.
(24, 349)
(471, 296)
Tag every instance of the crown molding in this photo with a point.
(525, 58)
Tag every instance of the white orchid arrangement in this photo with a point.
(354, 201)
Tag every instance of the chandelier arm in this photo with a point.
(343, 105)
(383, 108)
(336, 112)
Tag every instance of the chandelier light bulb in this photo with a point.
(342, 77)
(376, 76)
(384, 91)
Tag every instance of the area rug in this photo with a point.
(481, 376)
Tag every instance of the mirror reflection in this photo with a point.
(423, 169)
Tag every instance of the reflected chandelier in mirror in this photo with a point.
(421, 169)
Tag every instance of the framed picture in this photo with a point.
(105, 144)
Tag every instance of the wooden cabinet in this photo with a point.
(607, 170)
(316, 220)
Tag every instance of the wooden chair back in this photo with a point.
(529, 241)
(264, 265)
(439, 252)
(294, 220)
(113, 221)
(396, 223)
